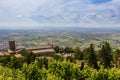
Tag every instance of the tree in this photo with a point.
(78, 54)
(82, 66)
(68, 49)
(45, 62)
(71, 59)
(4, 60)
(29, 56)
(42, 62)
(92, 59)
(86, 53)
(105, 54)
(57, 49)
(15, 63)
(58, 57)
(116, 56)
(61, 50)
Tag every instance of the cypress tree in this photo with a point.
(92, 59)
(105, 55)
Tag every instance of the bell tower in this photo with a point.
(12, 46)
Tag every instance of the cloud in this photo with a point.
(59, 12)
(75, 11)
(100, 1)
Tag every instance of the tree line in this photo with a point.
(105, 56)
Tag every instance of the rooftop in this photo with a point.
(39, 48)
(43, 51)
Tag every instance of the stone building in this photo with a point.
(38, 51)
(12, 48)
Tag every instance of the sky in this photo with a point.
(78, 13)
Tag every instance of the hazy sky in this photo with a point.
(95, 13)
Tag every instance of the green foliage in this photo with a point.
(10, 74)
(42, 63)
(29, 56)
(105, 55)
(61, 50)
(102, 74)
(4, 60)
(86, 54)
(15, 63)
(45, 62)
(68, 49)
(92, 60)
(116, 57)
(78, 54)
(32, 72)
(65, 70)
(58, 57)
(57, 49)
(58, 71)
(82, 66)
(71, 59)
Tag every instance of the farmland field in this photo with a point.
(81, 37)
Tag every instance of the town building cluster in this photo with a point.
(38, 51)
